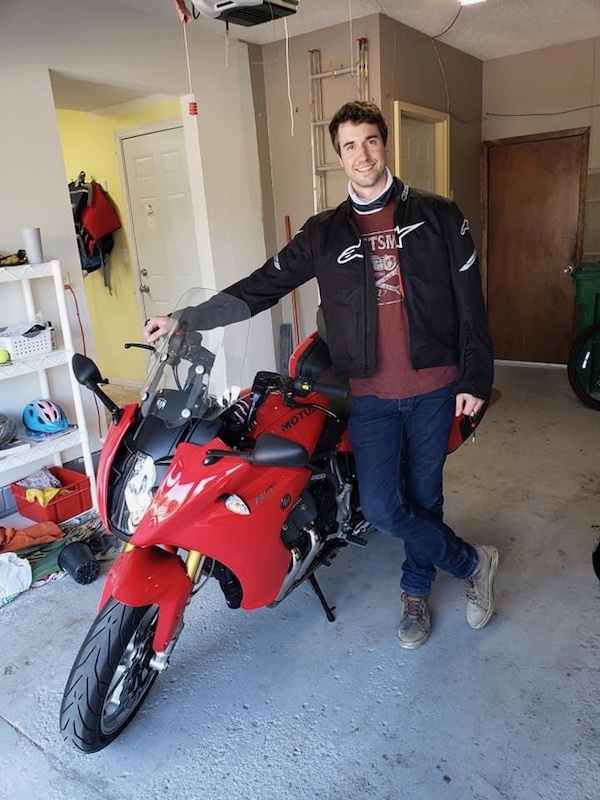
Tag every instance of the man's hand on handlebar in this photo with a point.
(156, 327)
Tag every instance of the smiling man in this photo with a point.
(403, 308)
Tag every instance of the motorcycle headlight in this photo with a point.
(138, 490)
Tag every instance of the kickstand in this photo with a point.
(326, 607)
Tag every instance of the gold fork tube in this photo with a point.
(192, 563)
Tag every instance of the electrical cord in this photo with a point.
(452, 24)
(70, 289)
(543, 113)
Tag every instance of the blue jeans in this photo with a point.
(400, 448)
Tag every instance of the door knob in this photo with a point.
(143, 272)
(144, 288)
(569, 269)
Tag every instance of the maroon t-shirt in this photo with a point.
(394, 377)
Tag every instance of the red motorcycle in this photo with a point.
(255, 488)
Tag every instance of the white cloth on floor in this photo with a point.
(15, 576)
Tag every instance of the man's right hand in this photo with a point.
(156, 327)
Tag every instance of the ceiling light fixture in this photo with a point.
(470, 2)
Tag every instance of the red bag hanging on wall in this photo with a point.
(99, 218)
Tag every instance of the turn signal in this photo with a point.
(235, 504)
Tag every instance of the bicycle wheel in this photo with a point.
(583, 366)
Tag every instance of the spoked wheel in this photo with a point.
(111, 676)
(583, 366)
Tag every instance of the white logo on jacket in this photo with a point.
(352, 252)
(349, 253)
(402, 232)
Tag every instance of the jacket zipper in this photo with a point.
(366, 286)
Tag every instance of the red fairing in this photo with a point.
(151, 576)
(111, 445)
(188, 509)
(299, 352)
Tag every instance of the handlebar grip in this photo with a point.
(307, 385)
(331, 391)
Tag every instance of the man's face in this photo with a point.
(362, 155)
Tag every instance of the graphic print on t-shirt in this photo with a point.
(384, 257)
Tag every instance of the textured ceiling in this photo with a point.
(486, 30)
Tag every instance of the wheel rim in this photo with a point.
(133, 676)
(583, 366)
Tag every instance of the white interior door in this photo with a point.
(418, 153)
(422, 147)
(157, 181)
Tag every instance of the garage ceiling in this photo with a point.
(487, 30)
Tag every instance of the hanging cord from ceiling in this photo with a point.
(192, 104)
(452, 24)
(351, 39)
(185, 17)
(434, 41)
(287, 65)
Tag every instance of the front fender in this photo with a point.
(151, 576)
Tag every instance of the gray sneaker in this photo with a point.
(415, 625)
(479, 588)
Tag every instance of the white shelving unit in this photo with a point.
(20, 459)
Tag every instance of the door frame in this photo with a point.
(120, 137)
(584, 132)
(441, 123)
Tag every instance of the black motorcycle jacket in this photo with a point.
(440, 275)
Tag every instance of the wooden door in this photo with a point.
(533, 229)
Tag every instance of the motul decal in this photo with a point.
(296, 418)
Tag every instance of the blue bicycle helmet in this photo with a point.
(8, 430)
(44, 416)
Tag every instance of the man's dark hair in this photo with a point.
(357, 111)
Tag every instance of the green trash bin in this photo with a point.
(587, 295)
(587, 311)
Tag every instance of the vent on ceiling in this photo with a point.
(246, 12)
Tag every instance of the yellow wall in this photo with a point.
(88, 144)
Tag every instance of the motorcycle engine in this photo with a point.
(316, 506)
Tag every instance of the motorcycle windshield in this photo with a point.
(195, 371)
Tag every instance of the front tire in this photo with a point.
(111, 676)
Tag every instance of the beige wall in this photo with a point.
(525, 94)
(402, 66)
(410, 72)
(146, 53)
(290, 153)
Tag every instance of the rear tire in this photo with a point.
(111, 676)
(583, 366)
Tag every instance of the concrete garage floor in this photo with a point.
(280, 704)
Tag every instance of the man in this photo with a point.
(405, 319)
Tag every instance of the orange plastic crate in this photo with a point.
(74, 498)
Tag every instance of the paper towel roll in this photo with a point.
(32, 241)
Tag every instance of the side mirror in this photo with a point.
(270, 450)
(86, 371)
(274, 451)
(88, 375)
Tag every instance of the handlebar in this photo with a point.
(303, 386)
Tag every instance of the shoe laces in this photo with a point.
(414, 606)
(472, 592)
